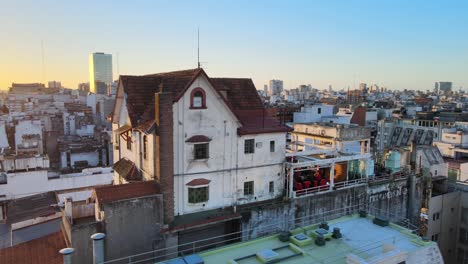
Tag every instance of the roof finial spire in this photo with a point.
(161, 87)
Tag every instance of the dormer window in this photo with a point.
(198, 99)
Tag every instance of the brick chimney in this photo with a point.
(164, 150)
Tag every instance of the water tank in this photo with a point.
(393, 161)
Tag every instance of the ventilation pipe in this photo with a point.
(98, 248)
(67, 254)
(412, 183)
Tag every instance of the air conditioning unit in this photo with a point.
(258, 144)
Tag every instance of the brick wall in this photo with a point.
(165, 152)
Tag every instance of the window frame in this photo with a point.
(129, 140)
(207, 154)
(203, 100)
(145, 147)
(249, 188)
(249, 148)
(191, 196)
(271, 187)
(272, 146)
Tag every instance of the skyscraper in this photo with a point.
(443, 88)
(100, 72)
(276, 87)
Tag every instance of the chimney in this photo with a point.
(67, 252)
(98, 248)
(69, 209)
(413, 155)
(164, 173)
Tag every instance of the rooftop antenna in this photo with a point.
(43, 61)
(198, 49)
(118, 68)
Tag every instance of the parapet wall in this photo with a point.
(387, 199)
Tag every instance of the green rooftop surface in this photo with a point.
(359, 236)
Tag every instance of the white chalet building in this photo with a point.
(206, 141)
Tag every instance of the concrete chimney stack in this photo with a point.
(98, 248)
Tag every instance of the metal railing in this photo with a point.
(268, 229)
(243, 235)
(325, 188)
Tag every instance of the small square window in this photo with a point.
(249, 188)
(271, 187)
(198, 195)
(249, 146)
(201, 151)
(272, 146)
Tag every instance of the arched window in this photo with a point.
(145, 146)
(198, 99)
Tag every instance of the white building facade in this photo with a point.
(225, 152)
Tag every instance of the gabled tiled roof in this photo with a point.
(127, 170)
(40, 250)
(247, 106)
(107, 194)
(31, 207)
(242, 98)
(140, 91)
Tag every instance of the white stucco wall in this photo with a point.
(311, 113)
(227, 167)
(91, 157)
(28, 127)
(23, 184)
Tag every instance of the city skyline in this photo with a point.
(397, 45)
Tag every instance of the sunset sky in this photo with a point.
(399, 44)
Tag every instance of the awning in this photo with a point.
(122, 132)
(123, 129)
(198, 139)
(198, 182)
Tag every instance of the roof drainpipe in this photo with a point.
(67, 254)
(98, 248)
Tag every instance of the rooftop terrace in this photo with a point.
(362, 241)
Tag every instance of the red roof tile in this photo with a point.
(127, 170)
(107, 194)
(198, 139)
(140, 91)
(242, 98)
(248, 106)
(198, 182)
(40, 250)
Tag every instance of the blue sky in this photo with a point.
(399, 44)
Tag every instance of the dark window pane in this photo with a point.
(249, 146)
(201, 151)
(249, 188)
(198, 195)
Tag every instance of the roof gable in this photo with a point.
(140, 91)
(108, 194)
(41, 250)
(241, 98)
